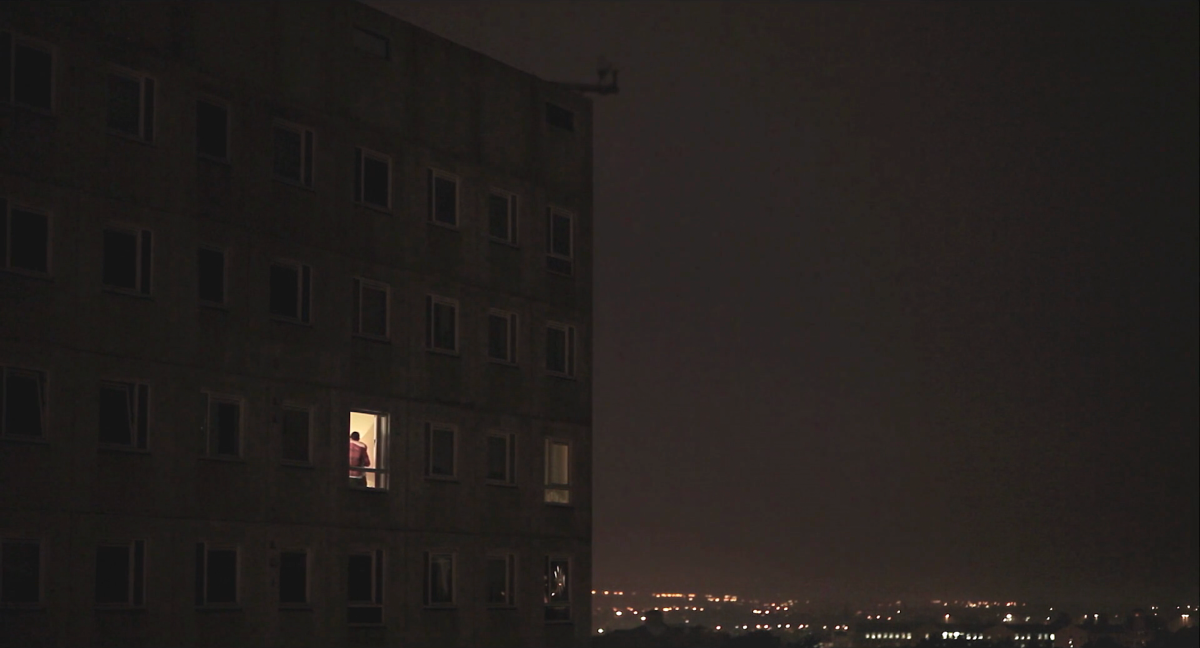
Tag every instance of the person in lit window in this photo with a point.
(359, 457)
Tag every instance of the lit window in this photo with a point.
(502, 336)
(121, 574)
(560, 349)
(222, 425)
(501, 458)
(372, 178)
(131, 105)
(501, 575)
(210, 275)
(558, 472)
(439, 451)
(293, 154)
(559, 241)
(22, 403)
(20, 572)
(439, 579)
(371, 308)
(502, 216)
(369, 42)
(441, 324)
(443, 198)
(124, 414)
(216, 574)
(293, 577)
(295, 428)
(291, 291)
(212, 130)
(28, 72)
(368, 450)
(24, 239)
(558, 589)
(364, 588)
(127, 260)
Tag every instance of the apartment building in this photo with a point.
(232, 236)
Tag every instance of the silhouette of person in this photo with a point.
(359, 457)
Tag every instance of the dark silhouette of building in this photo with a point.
(234, 233)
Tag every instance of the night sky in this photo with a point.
(892, 299)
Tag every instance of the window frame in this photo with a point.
(136, 598)
(512, 328)
(548, 486)
(436, 174)
(428, 579)
(42, 379)
(308, 153)
(570, 350)
(304, 298)
(308, 432)
(209, 398)
(432, 301)
(379, 467)
(10, 96)
(224, 276)
(10, 206)
(41, 572)
(553, 114)
(147, 117)
(143, 279)
(565, 261)
(361, 283)
(510, 585)
(378, 578)
(513, 202)
(140, 415)
(548, 605)
(228, 108)
(431, 427)
(361, 153)
(308, 559)
(387, 43)
(510, 459)
(202, 593)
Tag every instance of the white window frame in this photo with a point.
(132, 547)
(6, 254)
(513, 201)
(140, 424)
(379, 464)
(361, 284)
(362, 153)
(141, 78)
(301, 269)
(308, 152)
(308, 410)
(34, 43)
(570, 355)
(430, 429)
(569, 257)
(428, 580)
(41, 593)
(143, 268)
(433, 301)
(228, 108)
(308, 574)
(512, 331)
(209, 399)
(551, 488)
(224, 275)
(510, 458)
(378, 578)
(510, 577)
(434, 176)
(552, 558)
(42, 378)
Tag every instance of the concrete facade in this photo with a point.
(426, 104)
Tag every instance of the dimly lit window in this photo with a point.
(501, 458)
(439, 451)
(26, 72)
(295, 426)
(371, 308)
(131, 105)
(370, 43)
(22, 403)
(372, 178)
(216, 575)
(559, 245)
(120, 574)
(291, 291)
(558, 472)
(20, 572)
(364, 588)
(558, 589)
(24, 239)
(294, 154)
(560, 349)
(443, 198)
(222, 425)
(212, 130)
(124, 410)
(210, 275)
(560, 117)
(127, 260)
(293, 577)
(439, 578)
(441, 324)
(502, 336)
(501, 576)
(368, 450)
(502, 217)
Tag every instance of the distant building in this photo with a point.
(234, 233)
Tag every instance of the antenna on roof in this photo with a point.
(606, 82)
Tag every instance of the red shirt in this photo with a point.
(358, 457)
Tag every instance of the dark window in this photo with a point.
(27, 76)
(223, 426)
(560, 349)
(560, 117)
(439, 579)
(502, 217)
(501, 458)
(216, 575)
(370, 308)
(291, 288)
(123, 414)
(120, 574)
(443, 199)
(127, 260)
(212, 130)
(558, 241)
(439, 451)
(364, 588)
(22, 403)
(502, 336)
(131, 105)
(295, 434)
(441, 324)
(20, 572)
(558, 589)
(210, 275)
(24, 239)
(370, 43)
(372, 178)
(293, 577)
(500, 578)
(293, 154)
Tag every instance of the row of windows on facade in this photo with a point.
(131, 114)
(120, 578)
(123, 421)
(127, 267)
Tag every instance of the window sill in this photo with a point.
(377, 339)
(212, 159)
(294, 321)
(440, 606)
(366, 489)
(561, 376)
(128, 292)
(34, 440)
(506, 607)
(29, 274)
(564, 505)
(211, 305)
(296, 607)
(220, 459)
(128, 137)
(504, 363)
(453, 227)
(504, 242)
(219, 607)
(293, 183)
(444, 479)
(501, 484)
(373, 207)
(121, 449)
(444, 352)
(121, 609)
